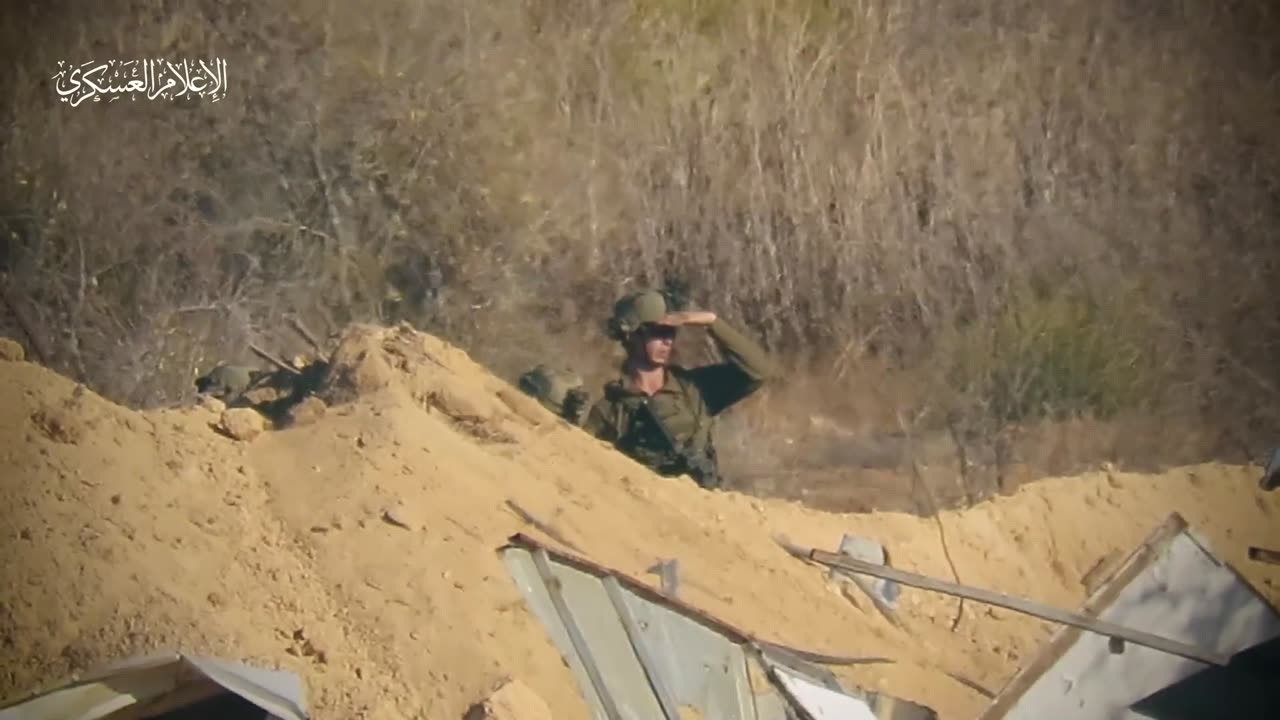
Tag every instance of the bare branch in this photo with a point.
(296, 323)
(274, 360)
(27, 327)
(77, 315)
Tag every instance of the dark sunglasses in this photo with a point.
(659, 332)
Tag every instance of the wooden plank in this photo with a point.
(546, 528)
(1009, 602)
(274, 360)
(665, 699)
(1021, 605)
(543, 564)
(1264, 555)
(296, 323)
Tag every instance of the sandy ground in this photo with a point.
(358, 550)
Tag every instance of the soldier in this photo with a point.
(561, 392)
(659, 413)
(228, 382)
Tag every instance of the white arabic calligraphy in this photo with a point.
(114, 79)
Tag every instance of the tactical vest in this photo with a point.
(647, 427)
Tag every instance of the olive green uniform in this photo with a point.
(227, 382)
(686, 405)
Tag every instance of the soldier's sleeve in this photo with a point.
(746, 369)
(577, 403)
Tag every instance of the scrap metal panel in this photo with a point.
(143, 679)
(279, 692)
(701, 668)
(699, 663)
(610, 649)
(822, 703)
(704, 668)
(770, 703)
(1171, 586)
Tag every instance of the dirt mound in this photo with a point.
(359, 549)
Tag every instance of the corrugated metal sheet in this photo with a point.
(698, 667)
(1172, 585)
(151, 678)
(823, 703)
(639, 656)
(279, 692)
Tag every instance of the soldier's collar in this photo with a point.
(623, 385)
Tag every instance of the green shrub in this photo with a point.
(1054, 355)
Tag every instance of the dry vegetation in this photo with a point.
(962, 218)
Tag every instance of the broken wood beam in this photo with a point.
(545, 527)
(296, 323)
(1271, 557)
(281, 364)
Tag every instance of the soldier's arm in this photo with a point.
(746, 369)
(577, 403)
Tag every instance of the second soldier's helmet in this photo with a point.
(550, 386)
(635, 310)
(226, 381)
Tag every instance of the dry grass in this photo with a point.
(994, 213)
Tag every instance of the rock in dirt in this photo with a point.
(212, 404)
(359, 367)
(512, 701)
(403, 515)
(59, 425)
(243, 424)
(11, 351)
(308, 411)
(264, 395)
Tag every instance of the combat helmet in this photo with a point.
(635, 310)
(227, 381)
(550, 386)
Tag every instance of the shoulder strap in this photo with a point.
(692, 394)
(613, 396)
(688, 389)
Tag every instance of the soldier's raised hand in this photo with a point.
(689, 317)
